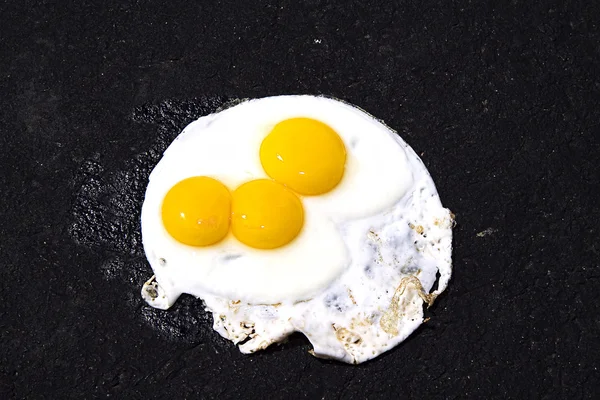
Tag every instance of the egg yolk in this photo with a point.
(265, 215)
(304, 154)
(196, 211)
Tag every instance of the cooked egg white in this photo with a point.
(353, 281)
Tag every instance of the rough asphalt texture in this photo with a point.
(502, 102)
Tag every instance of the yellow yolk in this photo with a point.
(196, 211)
(265, 215)
(304, 154)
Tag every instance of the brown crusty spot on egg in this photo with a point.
(445, 223)
(152, 292)
(374, 237)
(347, 337)
(234, 306)
(271, 304)
(301, 301)
(417, 228)
(449, 222)
(264, 344)
(389, 319)
(356, 323)
(351, 296)
(151, 287)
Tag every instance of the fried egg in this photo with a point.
(308, 215)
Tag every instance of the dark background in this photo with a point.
(502, 102)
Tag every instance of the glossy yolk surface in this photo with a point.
(265, 214)
(196, 211)
(304, 154)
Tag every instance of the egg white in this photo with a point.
(380, 229)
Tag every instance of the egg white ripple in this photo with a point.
(383, 224)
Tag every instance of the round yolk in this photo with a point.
(197, 210)
(265, 215)
(304, 154)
